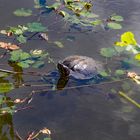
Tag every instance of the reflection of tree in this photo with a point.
(18, 75)
(6, 124)
(6, 127)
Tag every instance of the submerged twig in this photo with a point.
(4, 54)
(23, 108)
(32, 35)
(81, 86)
(18, 136)
(25, 73)
(129, 99)
(8, 71)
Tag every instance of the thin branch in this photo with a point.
(25, 73)
(18, 136)
(81, 86)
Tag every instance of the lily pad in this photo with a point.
(23, 12)
(113, 25)
(23, 64)
(22, 39)
(15, 55)
(38, 64)
(108, 52)
(119, 72)
(97, 22)
(36, 27)
(6, 87)
(117, 18)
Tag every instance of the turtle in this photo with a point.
(79, 67)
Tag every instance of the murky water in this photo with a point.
(82, 113)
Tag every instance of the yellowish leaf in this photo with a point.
(8, 46)
(46, 131)
(127, 38)
(137, 56)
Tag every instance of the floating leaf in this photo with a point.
(113, 25)
(88, 14)
(119, 72)
(36, 52)
(24, 56)
(59, 44)
(46, 131)
(6, 87)
(132, 61)
(3, 32)
(96, 22)
(62, 13)
(36, 27)
(108, 52)
(47, 138)
(8, 46)
(38, 64)
(23, 64)
(127, 38)
(23, 12)
(22, 39)
(55, 6)
(25, 60)
(15, 55)
(19, 30)
(104, 73)
(137, 56)
(117, 18)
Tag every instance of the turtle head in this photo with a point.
(63, 69)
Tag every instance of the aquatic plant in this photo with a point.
(79, 13)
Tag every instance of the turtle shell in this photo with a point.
(80, 67)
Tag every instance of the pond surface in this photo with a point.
(85, 113)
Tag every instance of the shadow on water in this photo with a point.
(85, 113)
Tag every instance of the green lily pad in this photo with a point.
(104, 73)
(96, 22)
(55, 6)
(15, 55)
(108, 52)
(117, 18)
(23, 12)
(22, 39)
(23, 64)
(38, 64)
(6, 87)
(119, 72)
(36, 27)
(24, 56)
(113, 25)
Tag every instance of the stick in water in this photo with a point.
(129, 99)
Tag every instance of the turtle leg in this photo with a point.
(62, 82)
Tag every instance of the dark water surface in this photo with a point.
(82, 113)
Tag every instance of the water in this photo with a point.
(87, 113)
